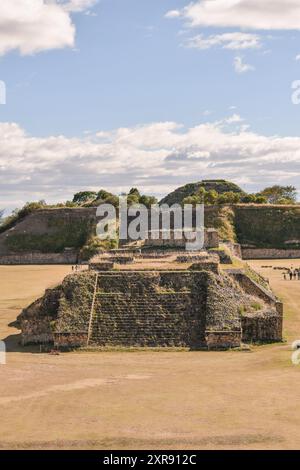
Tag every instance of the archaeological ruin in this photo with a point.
(155, 298)
(153, 292)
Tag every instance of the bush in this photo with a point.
(95, 246)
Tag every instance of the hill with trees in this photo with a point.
(220, 192)
(191, 189)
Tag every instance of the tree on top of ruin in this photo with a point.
(280, 194)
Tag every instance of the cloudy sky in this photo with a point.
(147, 93)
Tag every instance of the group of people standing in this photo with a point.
(292, 274)
(76, 267)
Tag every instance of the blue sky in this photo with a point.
(118, 93)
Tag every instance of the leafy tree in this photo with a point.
(67, 204)
(261, 199)
(284, 201)
(229, 197)
(103, 195)
(211, 197)
(249, 199)
(84, 196)
(148, 201)
(111, 199)
(133, 199)
(277, 193)
(201, 194)
(134, 192)
(191, 200)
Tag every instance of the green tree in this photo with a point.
(229, 197)
(249, 199)
(284, 201)
(275, 193)
(211, 197)
(103, 195)
(112, 199)
(191, 200)
(134, 192)
(261, 199)
(84, 196)
(201, 194)
(147, 201)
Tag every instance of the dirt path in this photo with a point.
(126, 400)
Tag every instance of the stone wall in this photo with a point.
(265, 325)
(217, 340)
(43, 236)
(234, 248)
(269, 253)
(39, 258)
(36, 323)
(262, 327)
(156, 239)
(223, 255)
(268, 226)
(253, 288)
(69, 340)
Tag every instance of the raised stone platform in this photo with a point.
(196, 308)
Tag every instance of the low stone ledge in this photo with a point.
(269, 253)
(65, 340)
(67, 257)
(205, 266)
(216, 340)
(102, 266)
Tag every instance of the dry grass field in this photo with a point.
(146, 399)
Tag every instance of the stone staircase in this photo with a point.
(139, 320)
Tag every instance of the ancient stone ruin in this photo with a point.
(147, 298)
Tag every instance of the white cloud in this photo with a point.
(78, 5)
(241, 67)
(235, 118)
(173, 14)
(235, 41)
(249, 14)
(297, 58)
(32, 26)
(155, 157)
